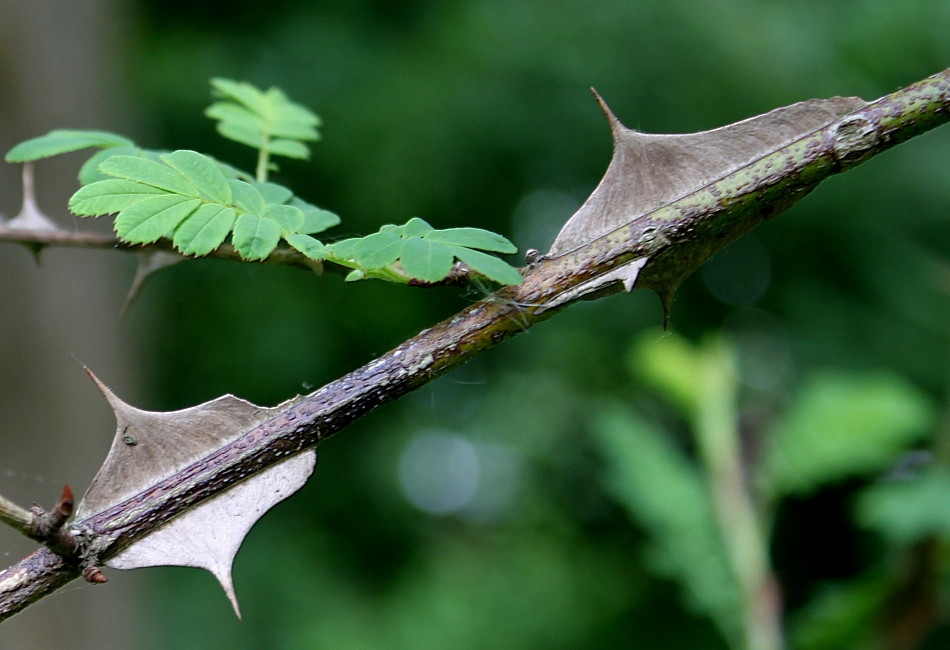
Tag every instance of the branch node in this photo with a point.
(855, 138)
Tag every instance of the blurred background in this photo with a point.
(580, 486)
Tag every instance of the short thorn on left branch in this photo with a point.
(47, 524)
(42, 526)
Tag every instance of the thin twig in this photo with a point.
(14, 516)
(74, 239)
(38, 239)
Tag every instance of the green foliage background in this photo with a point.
(589, 518)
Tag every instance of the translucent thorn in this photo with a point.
(148, 263)
(616, 126)
(30, 217)
(223, 574)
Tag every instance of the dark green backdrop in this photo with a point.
(478, 113)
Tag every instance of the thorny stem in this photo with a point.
(692, 229)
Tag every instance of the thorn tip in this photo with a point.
(615, 124)
(66, 500)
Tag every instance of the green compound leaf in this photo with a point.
(425, 254)
(265, 120)
(205, 230)
(153, 218)
(307, 245)
(426, 260)
(189, 197)
(254, 237)
(62, 141)
(472, 238)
